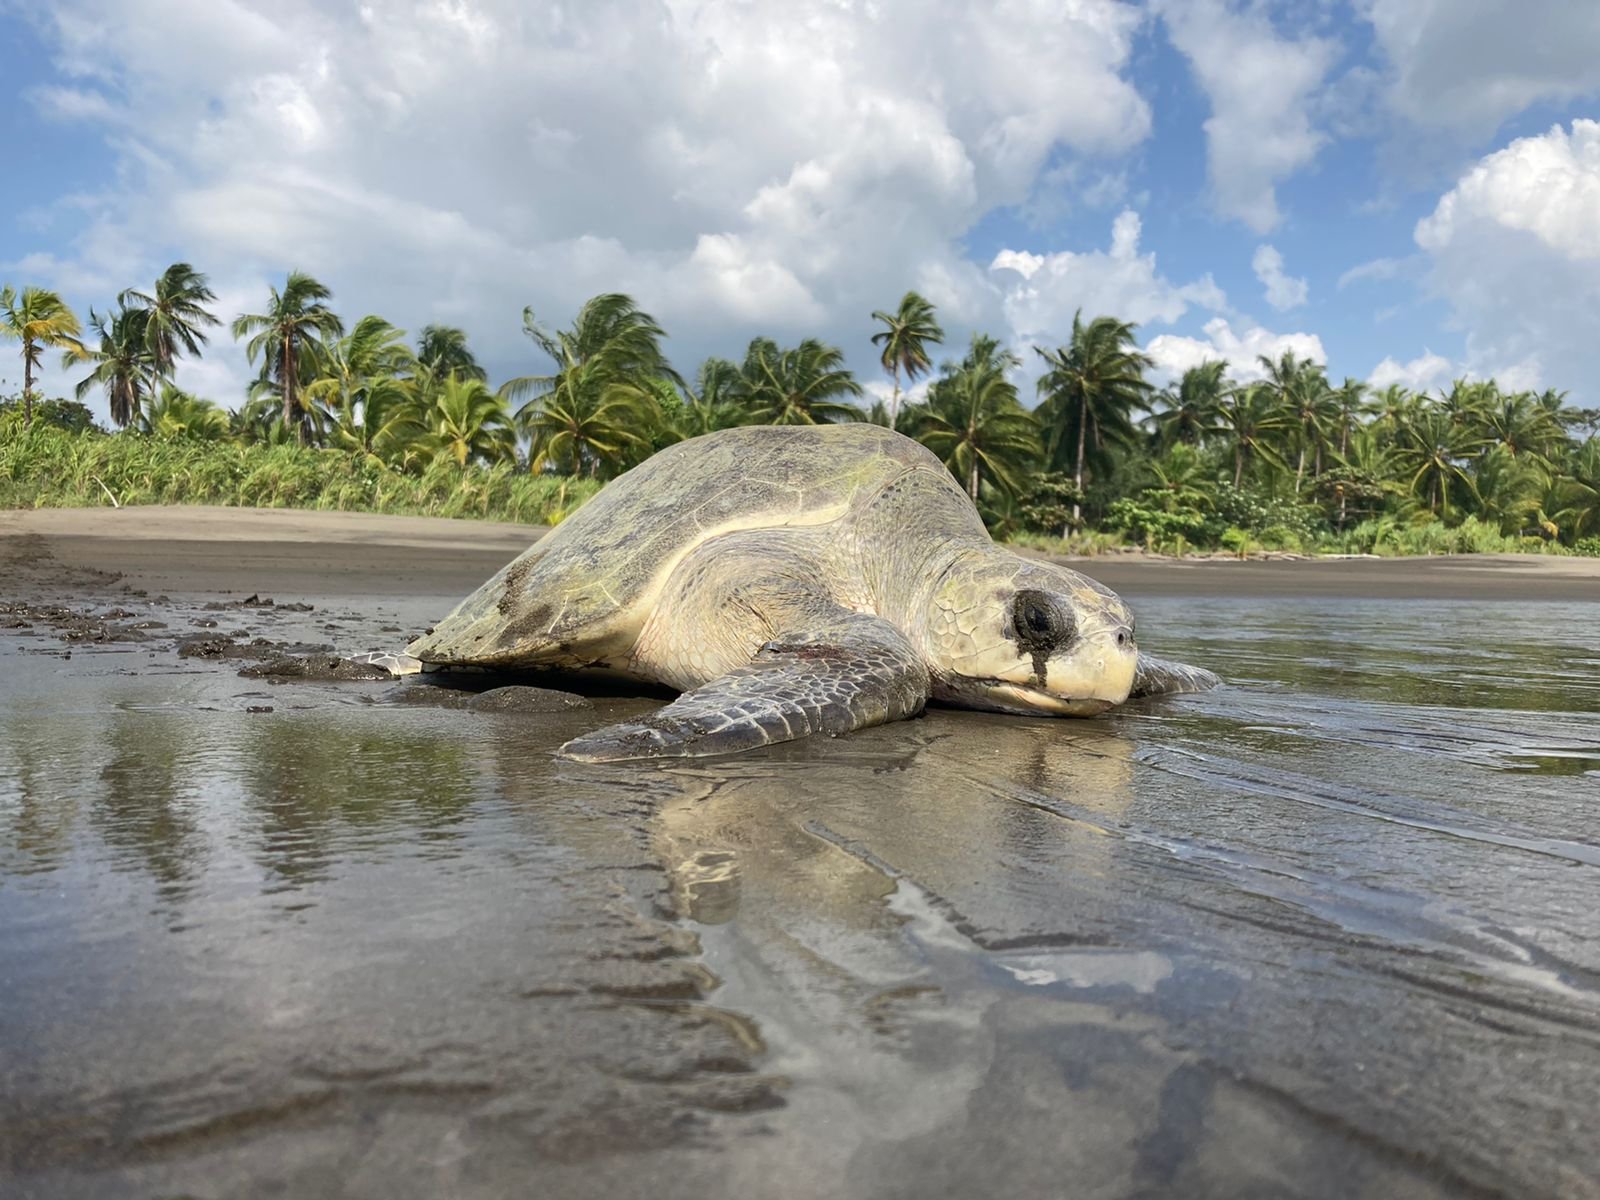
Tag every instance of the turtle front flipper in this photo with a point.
(845, 673)
(1158, 677)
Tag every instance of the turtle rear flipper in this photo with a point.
(845, 673)
(1158, 677)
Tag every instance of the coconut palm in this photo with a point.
(1180, 480)
(588, 428)
(973, 421)
(1508, 489)
(1578, 490)
(468, 423)
(1090, 389)
(1188, 413)
(908, 333)
(443, 350)
(1363, 473)
(362, 372)
(716, 401)
(1250, 421)
(123, 364)
(613, 343)
(1520, 425)
(1350, 402)
(1300, 388)
(39, 319)
(1434, 450)
(800, 386)
(177, 414)
(176, 317)
(297, 318)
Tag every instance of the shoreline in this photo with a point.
(212, 548)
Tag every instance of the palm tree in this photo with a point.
(1433, 448)
(599, 406)
(1301, 389)
(584, 427)
(975, 424)
(176, 413)
(1090, 390)
(1508, 488)
(800, 386)
(1190, 411)
(1350, 399)
(176, 316)
(123, 364)
(1521, 425)
(469, 423)
(443, 350)
(909, 331)
(1364, 472)
(359, 374)
(613, 342)
(39, 319)
(297, 318)
(716, 401)
(1180, 480)
(1250, 418)
(1579, 491)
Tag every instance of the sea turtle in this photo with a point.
(792, 580)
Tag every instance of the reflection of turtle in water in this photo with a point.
(798, 580)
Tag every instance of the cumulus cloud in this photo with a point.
(1421, 374)
(1041, 292)
(781, 169)
(1283, 292)
(1260, 86)
(1467, 67)
(1512, 248)
(1240, 349)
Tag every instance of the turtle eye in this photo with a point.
(1039, 621)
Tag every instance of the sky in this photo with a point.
(1406, 190)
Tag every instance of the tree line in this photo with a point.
(1288, 459)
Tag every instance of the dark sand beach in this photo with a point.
(1328, 931)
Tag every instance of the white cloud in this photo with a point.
(1513, 249)
(1239, 349)
(1423, 373)
(1041, 292)
(1467, 67)
(739, 168)
(1548, 186)
(1260, 86)
(1375, 269)
(1283, 292)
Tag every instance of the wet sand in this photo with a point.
(1328, 931)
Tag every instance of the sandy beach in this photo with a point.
(1325, 931)
(233, 549)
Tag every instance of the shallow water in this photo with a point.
(1333, 930)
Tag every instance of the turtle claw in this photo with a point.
(395, 663)
(1158, 677)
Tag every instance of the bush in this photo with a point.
(44, 466)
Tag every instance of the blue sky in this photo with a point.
(1406, 189)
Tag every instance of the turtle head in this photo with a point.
(1016, 635)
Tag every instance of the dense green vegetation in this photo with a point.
(363, 419)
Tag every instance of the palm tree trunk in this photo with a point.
(1300, 468)
(27, 381)
(286, 375)
(972, 479)
(1238, 464)
(1077, 478)
(894, 401)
